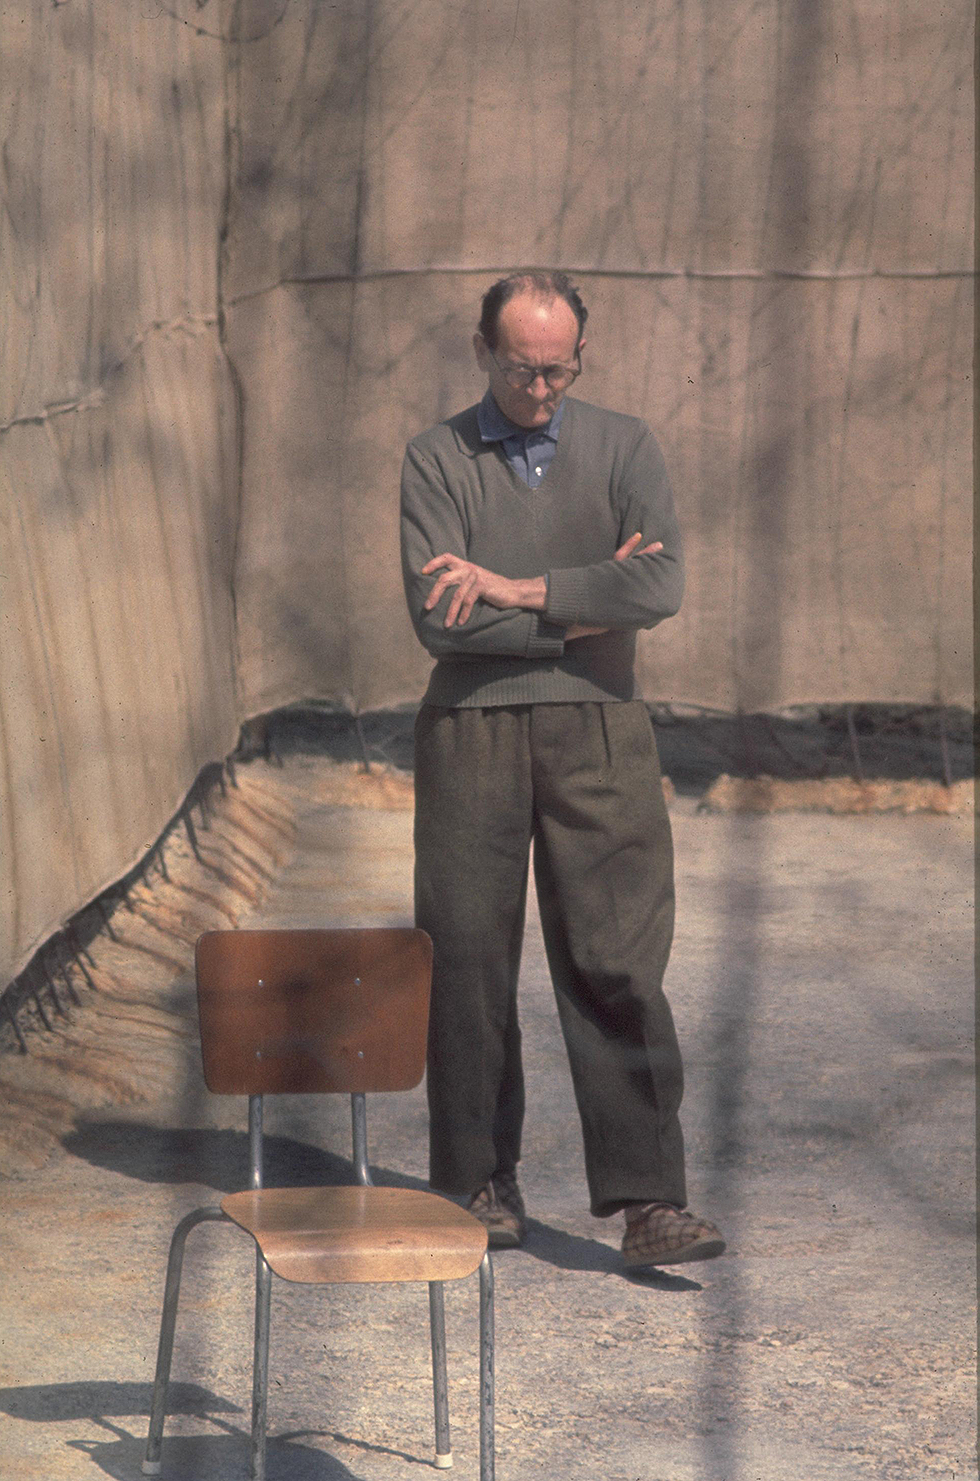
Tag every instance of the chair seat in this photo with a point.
(319, 1235)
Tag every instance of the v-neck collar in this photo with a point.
(495, 448)
(496, 426)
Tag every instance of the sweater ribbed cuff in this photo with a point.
(565, 602)
(544, 639)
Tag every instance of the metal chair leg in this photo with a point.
(440, 1384)
(168, 1323)
(260, 1366)
(486, 1369)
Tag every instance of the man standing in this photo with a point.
(538, 535)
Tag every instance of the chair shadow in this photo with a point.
(212, 1458)
(50, 1403)
(207, 1457)
(218, 1159)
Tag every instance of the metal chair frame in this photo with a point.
(214, 1213)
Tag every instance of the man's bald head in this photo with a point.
(541, 283)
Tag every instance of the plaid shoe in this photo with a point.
(660, 1234)
(500, 1209)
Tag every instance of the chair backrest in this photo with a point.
(313, 1011)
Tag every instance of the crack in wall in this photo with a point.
(97, 396)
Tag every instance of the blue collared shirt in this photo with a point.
(528, 450)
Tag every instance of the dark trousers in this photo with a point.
(583, 782)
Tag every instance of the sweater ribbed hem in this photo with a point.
(456, 685)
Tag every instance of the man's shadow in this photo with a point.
(218, 1159)
(577, 1252)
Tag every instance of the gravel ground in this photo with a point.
(821, 981)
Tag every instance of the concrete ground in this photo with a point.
(821, 981)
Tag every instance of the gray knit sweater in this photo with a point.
(607, 481)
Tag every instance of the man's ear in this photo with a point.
(482, 352)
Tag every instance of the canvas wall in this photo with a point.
(768, 209)
(118, 448)
(242, 244)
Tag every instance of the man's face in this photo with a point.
(531, 331)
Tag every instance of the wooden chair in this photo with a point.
(317, 1012)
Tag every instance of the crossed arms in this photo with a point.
(474, 583)
(455, 552)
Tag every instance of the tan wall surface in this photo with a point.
(262, 227)
(118, 448)
(769, 210)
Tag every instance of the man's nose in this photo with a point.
(539, 387)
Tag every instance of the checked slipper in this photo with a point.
(660, 1234)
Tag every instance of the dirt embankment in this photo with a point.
(116, 1047)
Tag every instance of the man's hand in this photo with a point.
(474, 583)
(577, 629)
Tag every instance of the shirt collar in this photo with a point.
(495, 427)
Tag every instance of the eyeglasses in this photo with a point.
(557, 377)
